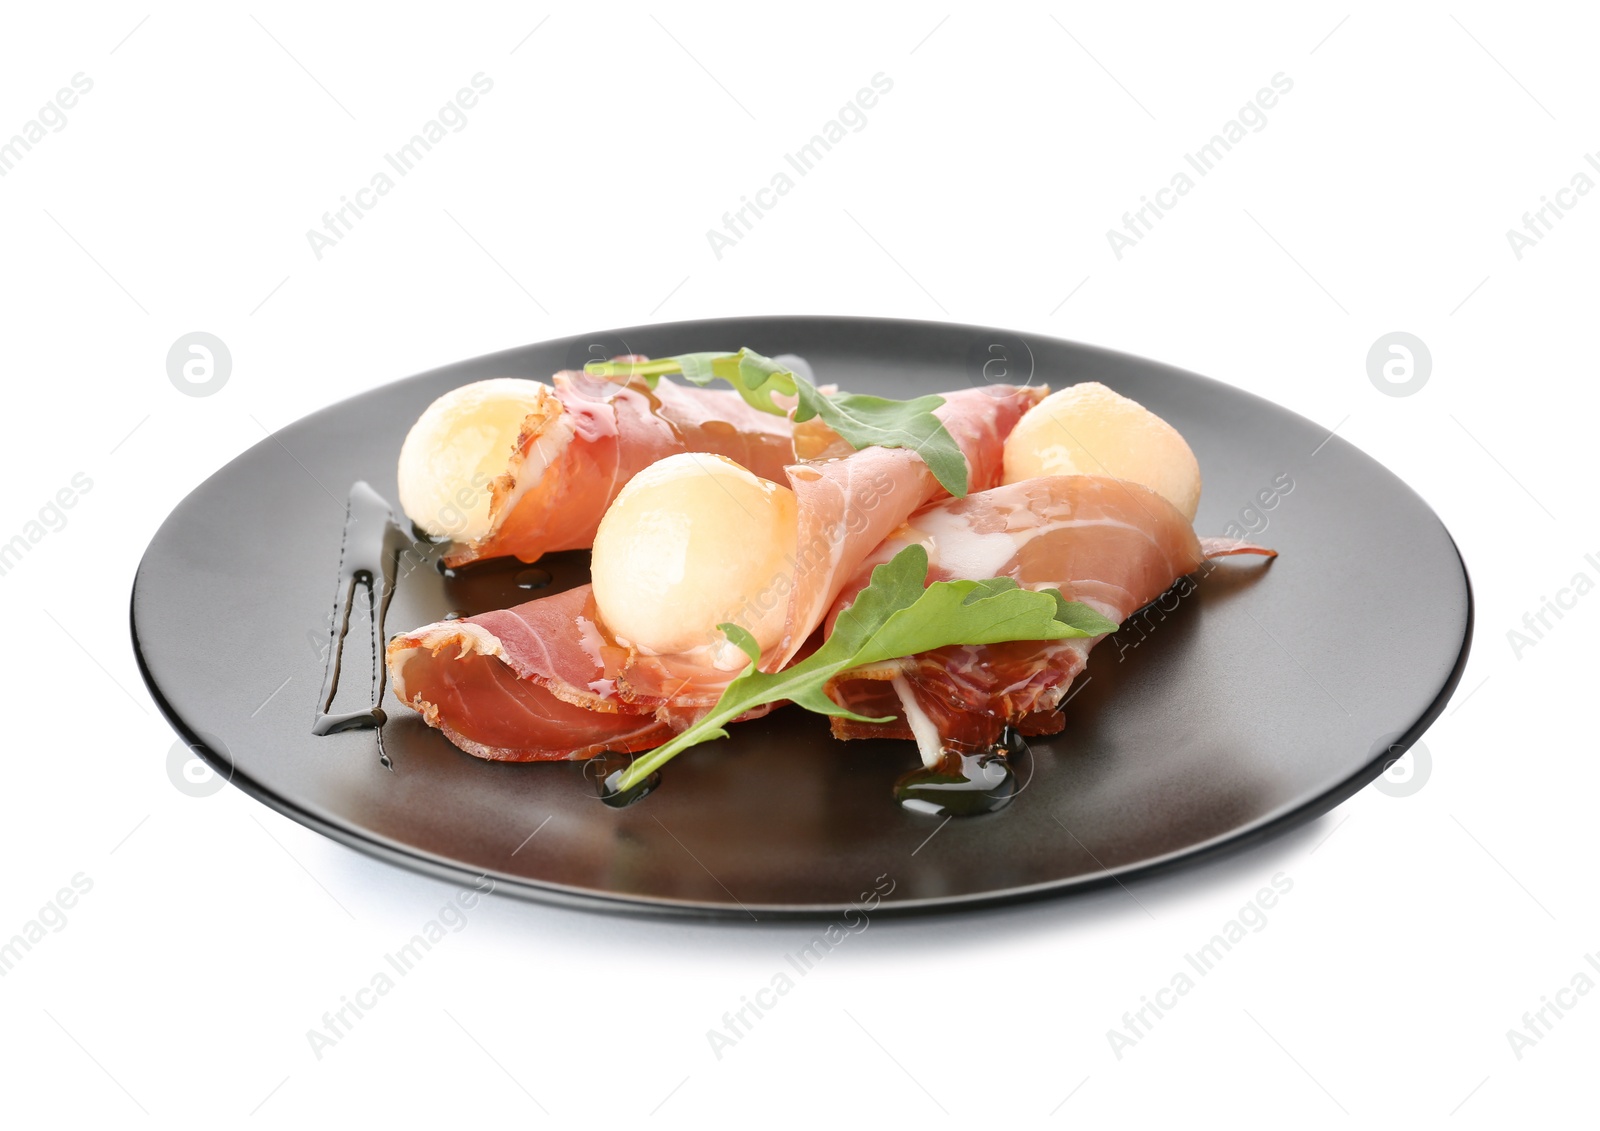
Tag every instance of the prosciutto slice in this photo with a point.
(579, 447)
(1113, 545)
(546, 680)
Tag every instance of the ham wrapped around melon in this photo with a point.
(1111, 544)
(516, 468)
(550, 678)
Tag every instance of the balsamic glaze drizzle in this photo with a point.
(368, 560)
(606, 769)
(964, 783)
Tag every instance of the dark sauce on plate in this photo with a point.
(606, 769)
(534, 578)
(965, 782)
(368, 564)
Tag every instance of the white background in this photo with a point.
(1419, 928)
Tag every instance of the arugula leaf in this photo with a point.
(894, 616)
(861, 421)
(864, 420)
(754, 377)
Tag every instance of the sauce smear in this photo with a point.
(368, 563)
(964, 783)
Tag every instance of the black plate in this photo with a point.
(1259, 702)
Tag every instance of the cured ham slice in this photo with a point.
(514, 676)
(1114, 545)
(493, 683)
(582, 444)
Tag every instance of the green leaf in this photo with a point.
(896, 615)
(861, 421)
(1080, 616)
(866, 420)
(650, 371)
(742, 637)
(753, 377)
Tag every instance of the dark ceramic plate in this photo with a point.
(1256, 703)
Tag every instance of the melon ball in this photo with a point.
(692, 541)
(1088, 429)
(457, 447)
